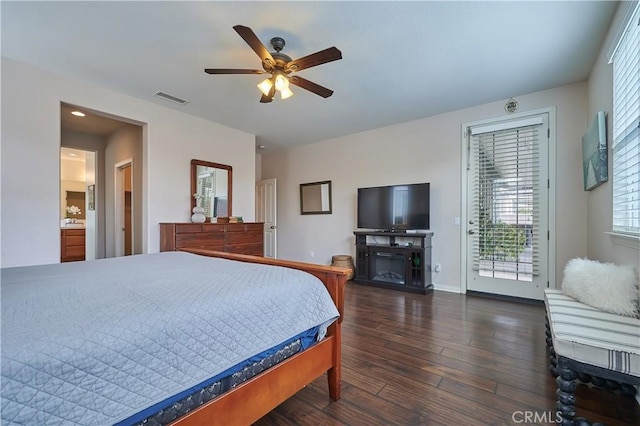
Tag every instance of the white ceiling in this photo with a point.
(401, 60)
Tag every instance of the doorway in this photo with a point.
(113, 140)
(77, 215)
(508, 192)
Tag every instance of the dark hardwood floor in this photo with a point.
(443, 358)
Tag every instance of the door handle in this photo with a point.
(272, 227)
(471, 232)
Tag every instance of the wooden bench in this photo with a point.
(590, 345)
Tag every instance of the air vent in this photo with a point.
(168, 97)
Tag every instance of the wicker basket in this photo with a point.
(343, 261)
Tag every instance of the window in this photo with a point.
(626, 129)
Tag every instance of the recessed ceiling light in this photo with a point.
(78, 113)
(73, 154)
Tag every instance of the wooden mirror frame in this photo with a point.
(308, 206)
(194, 177)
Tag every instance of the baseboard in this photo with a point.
(447, 288)
(506, 298)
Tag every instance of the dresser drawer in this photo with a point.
(253, 249)
(243, 227)
(208, 240)
(184, 228)
(213, 228)
(244, 237)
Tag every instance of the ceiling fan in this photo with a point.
(280, 66)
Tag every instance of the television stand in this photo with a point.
(400, 260)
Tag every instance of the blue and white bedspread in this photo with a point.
(92, 343)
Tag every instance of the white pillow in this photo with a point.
(605, 286)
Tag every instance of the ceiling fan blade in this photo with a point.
(266, 99)
(231, 71)
(310, 86)
(254, 42)
(318, 58)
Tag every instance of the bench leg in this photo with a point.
(553, 362)
(566, 394)
(566, 401)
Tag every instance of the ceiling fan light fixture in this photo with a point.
(279, 66)
(282, 82)
(286, 93)
(265, 86)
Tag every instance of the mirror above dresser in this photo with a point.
(212, 182)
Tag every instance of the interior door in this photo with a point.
(128, 250)
(266, 212)
(507, 232)
(124, 241)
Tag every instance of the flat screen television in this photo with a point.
(394, 208)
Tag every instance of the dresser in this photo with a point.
(243, 238)
(72, 244)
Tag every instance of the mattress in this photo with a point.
(97, 342)
(180, 404)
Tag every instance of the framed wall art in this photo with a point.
(91, 196)
(594, 153)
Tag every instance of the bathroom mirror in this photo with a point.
(315, 198)
(212, 182)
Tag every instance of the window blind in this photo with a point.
(626, 130)
(506, 202)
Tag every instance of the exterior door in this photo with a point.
(266, 212)
(507, 232)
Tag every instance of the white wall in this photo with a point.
(601, 246)
(31, 129)
(258, 166)
(426, 150)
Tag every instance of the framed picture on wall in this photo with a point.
(91, 194)
(594, 153)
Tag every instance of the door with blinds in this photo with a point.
(507, 207)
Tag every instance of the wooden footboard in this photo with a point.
(253, 399)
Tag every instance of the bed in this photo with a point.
(119, 341)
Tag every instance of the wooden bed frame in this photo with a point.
(256, 397)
